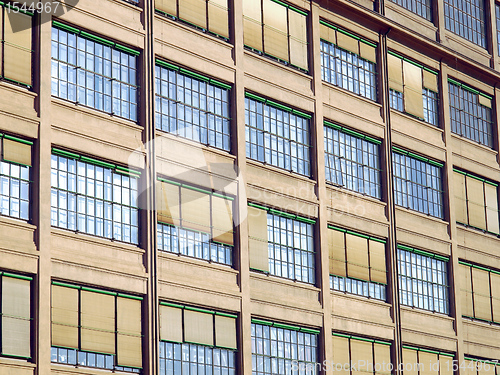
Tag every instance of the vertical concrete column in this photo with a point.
(439, 20)
(492, 33)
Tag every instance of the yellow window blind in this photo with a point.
(17, 46)
(357, 257)
(275, 29)
(413, 100)
(225, 332)
(410, 356)
(198, 327)
(491, 202)
(361, 354)
(167, 202)
(252, 24)
(170, 323)
(129, 328)
(382, 354)
(16, 152)
(193, 11)
(460, 197)
(341, 354)
(218, 17)
(167, 6)
(377, 262)
(64, 316)
(466, 290)
(257, 239)
(481, 288)
(222, 220)
(195, 206)
(495, 296)
(297, 26)
(336, 245)
(475, 202)
(395, 68)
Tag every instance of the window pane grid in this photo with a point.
(423, 282)
(94, 75)
(466, 19)
(192, 243)
(352, 162)
(423, 8)
(348, 70)
(469, 118)
(192, 108)
(417, 185)
(276, 350)
(15, 188)
(94, 200)
(291, 248)
(430, 104)
(396, 100)
(358, 287)
(277, 137)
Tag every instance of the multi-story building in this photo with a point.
(249, 187)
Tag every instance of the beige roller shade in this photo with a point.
(410, 356)
(395, 69)
(195, 210)
(198, 327)
(97, 316)
(361, 354)
(16, 297)
(475, 202)
(495, 296)
(484, 101)
(297, 25)
(466, 290)
(17, 46)
(16, 152)
(275, 30)
(347, 42)
(430, 363)
(129, 327)
(413, 100)
(481, 288)
(336, 247)
(170, 324)
(252, 24)
(225, 332)
(64, 317)
(167, 6)
(430, 80)
(368, 52)
(469, 368)
(460, 198)
(167, 203)
(484, 369)
(357, 257)
(491, 201)
(194, 11)
(377, 262)
(217, 17)
(1, 49)
(445, 365)
(129, 351)
(222, 220)
(16, 317)
(383, 356)
(327, 33)
(341, 354)
(257, 239)
(15, 336)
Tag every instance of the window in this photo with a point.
(195, 222)
(470, 113)
(413, 89)
(192, 106)
(16, 48)
(476, 201)
(15, 174)
(96, 328)
(277, 30)
(277, 347)
(94, 72)
(197, 12)
(348, 61)
(466, 19)
(423, 8)
(357, 263)
(15, 315)
(352, 160)
(479, 292)
(423, 279)
(365, 355)
(277, 135)
(429, 361)
(281, 244)
(194, 340)
(94, 197)
(417, 183)
(476, 366)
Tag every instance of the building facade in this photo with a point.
(249, 187)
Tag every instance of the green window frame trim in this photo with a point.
(286, 326)
(352, 132)
(347, 33)
(95, 38)
(277, 105)
(195, 189)
(16, 276)
(475, 177)
(481, 360)
(470, 89)
(357, 234)
(423, 252)
(114, 167)
(198, 309)
(284, 214)
(418, 157)
(95, 290)
(429, 351)
(478, 267)
(361, 338)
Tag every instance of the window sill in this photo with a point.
(67, 368)
(14, 222)
(478, 231)
(472, 47)
(270, 61)
(283, 281)
(424, 24)
(480, 146)
(429, 313)
(426, 216)
(16, 363)
(357, 297)
(408, 117)
(350, 93)
(284, 172)
(128, 4)
(18, 89)
(356, 195)
(181, 258)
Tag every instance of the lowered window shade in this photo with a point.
(336, 245)
(195, 206)
(257, 239)
(129, 328)
(466, 290)
(377, 262)
(481, 293)
(298, 39)
(64, 317)
(167, 6)
(495, 296)
(222, 220)
(491, 202)
(225, 332)
(475, 202)
(193, 11)
(430, 362)
(170, 324)
(382, 354)
(362, 354)
(410, 356)
(275, 29)
(218, 17)
(395, 69)
(17, 46)
(16, 151)
(460, 197)
(167, 203)
(357, 257)
(252, 24)
(341, 353)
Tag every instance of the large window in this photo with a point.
(94, 197)
(423, 279)
(357, 263)
(423, 8)
(277, 30)
(477, 366)
(417, 183)
(279, 348)
(196, 341)
(476, 201)
(192, 106)
(277, 135)
(429, 362)
(195, 222)
(15, 174)
(206, 15)
(413, 88)
(15, 315)
(352, 160)
(96, 328)
(466, 19)
(348, 61)
(281, 244)
(479, 292)
(16, 48)
(94, 72)
(470, 113)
